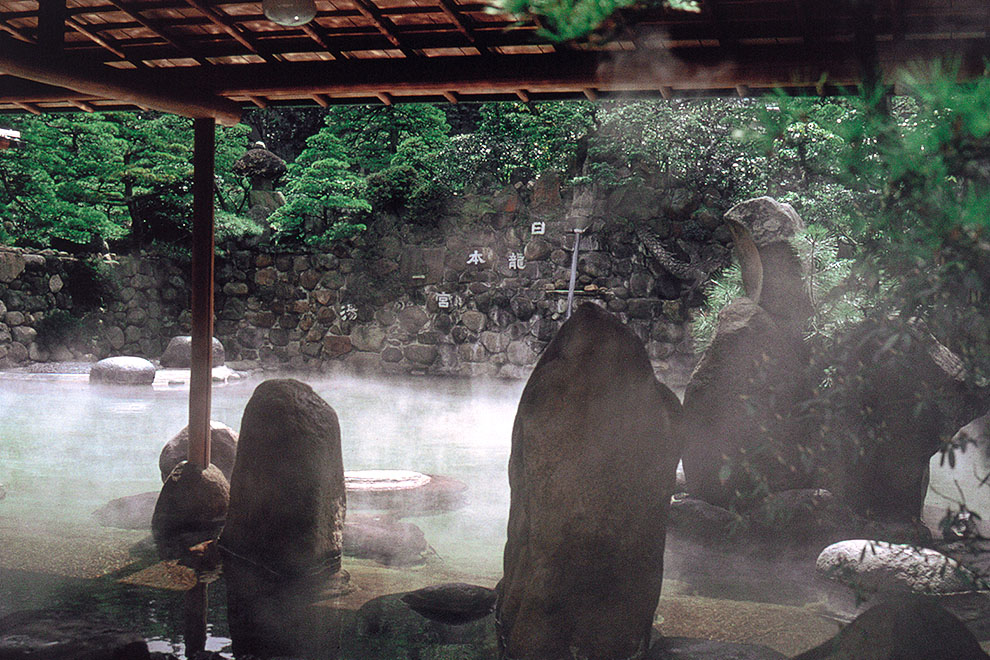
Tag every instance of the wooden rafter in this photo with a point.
(102, 42)
(51, 25)
(450, 11)
(157, 29)
(15, 32)
(370, 11)
(223, 21)
(321, 41)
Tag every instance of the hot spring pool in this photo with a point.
(66, 449)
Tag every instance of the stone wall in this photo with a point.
(479, 294)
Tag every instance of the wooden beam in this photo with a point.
(321, 100)
(449, 10)
(522, 95)
(590, 93)
(15, 32)
(24, 61)
(451, 97)
(258, 101)
(310, 31)
(201, 364)
(27, 107)
(385, 98)
(82, 105)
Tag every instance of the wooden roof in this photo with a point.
(214, 57)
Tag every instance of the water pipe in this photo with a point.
(574, 262)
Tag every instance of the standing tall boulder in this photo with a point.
(743, 433)
(284, 535)
(594, 454)
(287, 487)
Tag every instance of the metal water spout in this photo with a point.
(580, 217)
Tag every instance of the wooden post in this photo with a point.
(201, 373)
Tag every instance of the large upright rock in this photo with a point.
(594, 453)
(284, 534)
(743, 433)
(287, 496)
(898, 394)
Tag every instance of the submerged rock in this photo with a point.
(54, 636)
(402, 491)
(223, 449)
(123, 370)
(384, 539)
(129, 512)
(594, 453)
(454, 603)
(686, 648)
(903, 629)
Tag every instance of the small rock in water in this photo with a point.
(454, 603)
(129, 512)
(384, 539)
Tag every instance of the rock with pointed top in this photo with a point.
(594, 453)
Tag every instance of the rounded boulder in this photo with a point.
(223, 449)
(123, 370)
(178, 353)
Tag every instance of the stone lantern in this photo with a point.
(264, 169)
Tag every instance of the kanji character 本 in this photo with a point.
(476, 258)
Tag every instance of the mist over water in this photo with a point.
(66, 449)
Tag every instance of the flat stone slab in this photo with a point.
(402, 491)
(50, 636)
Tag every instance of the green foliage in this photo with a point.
(84, 178)
(325, 197)
(719, 292)
(566, 20)
(911, 184)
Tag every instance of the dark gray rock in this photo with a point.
(384, 539)
(741, 432)
(287, 490)
(223, 449)
(594, 452)
(901, 629)
(130, 512)
(454, 603)
(55, 636)
(190, 509)
(178, 353)
(123, 370)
